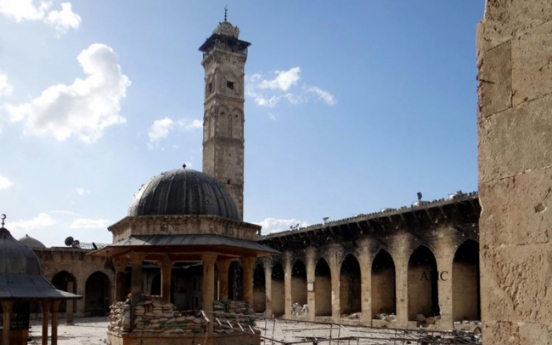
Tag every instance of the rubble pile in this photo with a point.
(234, 312)
(119, 317)
(386, 317)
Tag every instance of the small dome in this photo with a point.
(15, 257)
(183, 192)
(32, 243)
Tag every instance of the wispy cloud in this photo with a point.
(30, 10)
(284, 86)
(41, 221)
(81, 191)
(271, 225)
(83, 223)
(83, 109)
(5, 183)
(160, 129)
(5, 88)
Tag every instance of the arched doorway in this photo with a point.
(64, 281)
(97, 294)
(350, 286)
(259, 294)
(466, 304)
(383, 284)
(299, 283)
(322, 289)
(423, 293)
(278, 290)
(155, 287)
(235, 281)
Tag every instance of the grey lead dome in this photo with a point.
(183, 192)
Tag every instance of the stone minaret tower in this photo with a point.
(224, 57)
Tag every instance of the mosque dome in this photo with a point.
(183, 192)
(16, 257)
(32, 243)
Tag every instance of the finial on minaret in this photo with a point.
(3, 219)
(225, 12)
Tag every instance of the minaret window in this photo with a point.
(230, 85)
(210, 88)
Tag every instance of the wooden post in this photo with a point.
(166, 268)
(208, 286)
(248, 265)
(55, 307)
(6, 310)
(223, 267)
(120, 265)
(45, 314)
(69, 304)
(136, 289)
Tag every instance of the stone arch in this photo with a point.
(235, 281)
(383, 284)
(63, 281)
(350, 285)
(466, 303)
(278, 289)
(299, 283)
(259, 288)
(322, 289)
(97, 294)
(423, 293)
(223, 121)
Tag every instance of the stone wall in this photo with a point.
(514, 60)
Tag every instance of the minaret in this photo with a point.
(224, 57)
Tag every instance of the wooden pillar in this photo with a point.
(6, 310)
(287, 285)
(55, 307)
(45, 314)
(267, 263)
(69, 303)
(120, 265)
(136, 288)
(166, 268)
(223, 266)
(311, 294)
(248, 265)
(208, 286)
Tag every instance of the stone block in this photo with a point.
(532, 64)
(505, 19)
(516, 140)
(515, 283)
(495, 80)
(515, 209)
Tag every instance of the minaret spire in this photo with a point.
(225, 13)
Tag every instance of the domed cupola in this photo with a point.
(183, 192)
(32, 243)
(16, 257)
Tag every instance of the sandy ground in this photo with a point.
(85, 331)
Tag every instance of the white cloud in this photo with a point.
(284, 86)
(160, 129)
(30, 10)
(63, 20)
(41, 221)
(81, 191)
(83, 223)
(5, 183)
(5, 88)
(271, 225)
(83, 109)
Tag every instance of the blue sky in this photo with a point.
(351, 106)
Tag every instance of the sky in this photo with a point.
(350, 107)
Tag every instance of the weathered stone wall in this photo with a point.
(514, 59)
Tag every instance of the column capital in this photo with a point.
(248, 263)
(6, 306)
(268, 263)
(119, 264)
(208, 258)
(223, 265)
(137, 258)
(166, 262)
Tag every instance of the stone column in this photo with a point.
(514, 46)
(208, 290)
(45, 315)
(335, 269)
(55, 307)
(6, 310)
(311, 295)
(444, 256)
(120, 265)
(365, 258)
(69, 303)
(166, 268)
(287, 284)
(136, 289)
(248, 266)
(223, 266)
(401, 255)
(267, 264)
